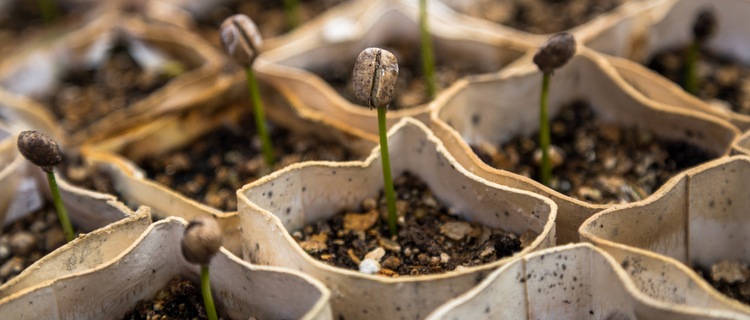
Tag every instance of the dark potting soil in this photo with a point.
(269, 16)
(536, 16)
(216, 165)
(730, 278)
(720, 78)
(77, 172)
(27, 240)
(430, 240)
(180, 299)
(410, 88)
(86, 96)
(599, 162)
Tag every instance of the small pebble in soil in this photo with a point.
(220, 162)
(536, 16)
(721, 80)
(732, 278)
(27, 240)
(434, 242)
(180, 299)
(600, 162)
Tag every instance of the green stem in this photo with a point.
(691, 69)
(544, 135)
(208, 300)
(62, 215)
(48, 10)
(390, 194)
(292, 13)
(428, 60)
(260, 119)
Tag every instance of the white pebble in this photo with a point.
(369, 266)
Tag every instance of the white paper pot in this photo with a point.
(342, 37)
(241, 290)
(668, 24)
(83, 253)
(576, 281)
(493, 109)
(304, 193)
(698, 218)
(36, 73)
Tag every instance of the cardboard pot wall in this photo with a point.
(173, 132)
(328, 49)
(157, 50)
(301, 194)
(494, 109)
(83, 253)
(570, 282)
(668, 24)
(697, 219)
(241, 290)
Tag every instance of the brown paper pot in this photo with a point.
(240, 289)
(171, 132)
(576, 281)
(493, 109)
(370, 23)
(271, 208)
(36, 73)
(668, 24)
(697, 219)
(83, 253)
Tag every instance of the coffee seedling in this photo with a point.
(48, 10)
(704, 27)
(200, 242)
(375, 74)
(553, 54)
(242, 42)
(44, 152)
(291, 8)
(428, 59)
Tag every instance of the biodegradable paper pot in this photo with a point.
(698, 219)
(37, 72)
(493, 109)
(340, 38)
(668, 24)
(570, 282)
(175, 131)
(20, 194)
(301, 194)
(240, 289)
(84, 253)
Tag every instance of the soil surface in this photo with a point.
(730, 278)
(21, 21)
(269, 16)
(75, 171)
(720, 78)
(430, 239)
(86, 96)
(27, 240)
(536, 16)
(597, 162)
(410, 88)
(180, 299)
(212, 168)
